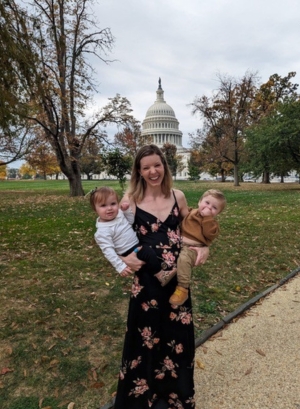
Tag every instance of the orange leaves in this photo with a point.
(5, 371)
(200, 364)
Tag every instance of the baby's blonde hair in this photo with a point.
(216, 194)
(100, 194)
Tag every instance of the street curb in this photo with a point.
(231, 316)
(242, 308)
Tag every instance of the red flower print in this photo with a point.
(182, 315)
(168, 365)
(135, 362)
(148, 337)
(179, 348)
(174, 237)
(145, 306)
(173, 316)
(154, 227)
(176, 211)
(141, 387)
(149, 304)
(168, 258)
(136, 287)
(143, 230)
(185, 317)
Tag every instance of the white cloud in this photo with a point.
(187, 43)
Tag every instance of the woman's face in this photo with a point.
(152, 170)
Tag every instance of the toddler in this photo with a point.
(199, 228)
(116, 237)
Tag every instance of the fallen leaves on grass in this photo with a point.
(4, 371)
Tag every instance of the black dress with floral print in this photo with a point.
(158, 356)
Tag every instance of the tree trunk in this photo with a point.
(73, 174)
(236, 175)
(75, 185)
(223, 178)
(266, 177)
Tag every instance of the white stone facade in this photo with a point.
(162, 126)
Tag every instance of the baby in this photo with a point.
(198, 228)
(116, 237)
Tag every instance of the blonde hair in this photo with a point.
(137, 185)
(216, 194)
(100, 195)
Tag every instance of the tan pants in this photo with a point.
(185, 263)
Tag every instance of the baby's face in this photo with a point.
(108, 210)
(209, 206)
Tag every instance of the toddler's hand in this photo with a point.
(125, 206)
(206, 212)
(126, 272)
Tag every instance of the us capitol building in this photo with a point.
(162, 126)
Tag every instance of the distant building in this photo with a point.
(162, 126)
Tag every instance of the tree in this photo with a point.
(118, 165)
(213, 151)
(130, 140)
(91, 161)
(15, 136)
(12, 173)
(170, 152)
(194, 165)
(3, 170)
(26, 171)
(48, 45)
(276, 90)
(274, 143)
(42, 160)
(227, 114)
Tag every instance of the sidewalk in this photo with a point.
(253, 360)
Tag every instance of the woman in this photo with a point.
(158, 356)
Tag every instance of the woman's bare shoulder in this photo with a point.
(179, 194)
(181, 201)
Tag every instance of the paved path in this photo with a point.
(254, 361)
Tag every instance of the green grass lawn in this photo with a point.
(63, 308)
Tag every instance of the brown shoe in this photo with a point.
(165, 276)
(179, 296)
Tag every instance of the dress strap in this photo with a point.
(174, 198)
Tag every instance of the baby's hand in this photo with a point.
(206, 212)
(125, 206)
(126, 272)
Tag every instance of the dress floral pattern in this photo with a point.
(158, 356)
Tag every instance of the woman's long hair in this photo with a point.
(137, 185)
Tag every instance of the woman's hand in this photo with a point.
(202, 254)
(132, 261)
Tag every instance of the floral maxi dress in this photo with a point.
(158, 356)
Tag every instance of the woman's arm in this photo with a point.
(202, 252)
(131, 260)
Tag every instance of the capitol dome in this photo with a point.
(160, 123)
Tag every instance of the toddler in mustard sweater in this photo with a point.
(198, 228)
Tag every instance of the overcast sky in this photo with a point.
(187, 43)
